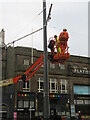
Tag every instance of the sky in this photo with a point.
(21, 17)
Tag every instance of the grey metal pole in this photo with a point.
(32, 48)
(46, 83)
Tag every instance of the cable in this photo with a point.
(32, 32)
(32, 21)
(24, 36)
(53, 27)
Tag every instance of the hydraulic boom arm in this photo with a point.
(35, 67)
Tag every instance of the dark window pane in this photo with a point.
(38, 85)
(53, 85)
(63, 87)
(41, 85)
(27, 84)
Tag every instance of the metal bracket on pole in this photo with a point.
(49, 14)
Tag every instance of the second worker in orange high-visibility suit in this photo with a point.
(63, 38)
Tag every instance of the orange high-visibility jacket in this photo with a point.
(63, 35)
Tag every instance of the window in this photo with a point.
(63, 86)
(53, 85)
(20, 104)
(40, 85)
(26, 104)
(61, 66)
(26, 62)
(31, 104)
(63, 82)
(52, 65)
(26, 85)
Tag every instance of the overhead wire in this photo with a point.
(29, 33)
(32, 21)
(24, 36)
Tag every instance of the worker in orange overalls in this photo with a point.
(63, 38)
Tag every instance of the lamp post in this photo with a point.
(46, 83)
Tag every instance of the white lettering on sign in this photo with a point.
(81, 71)
(87, 102)
(79, 101)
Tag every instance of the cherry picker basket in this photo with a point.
(56, 57)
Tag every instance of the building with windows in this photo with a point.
(69, 86)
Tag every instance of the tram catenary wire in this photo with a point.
(24, 36)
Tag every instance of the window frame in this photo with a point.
(51, 81)
(39, 81)
(26, 88)
(65, 84)
(26, 62)
(61, 66)
(19, 104)
(24, 104)
(52, 66)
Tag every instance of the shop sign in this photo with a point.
(72, 110)
(87, 102)
(81, 90)
(81, 71)
(79, 101)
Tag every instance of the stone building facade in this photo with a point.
(69, 86)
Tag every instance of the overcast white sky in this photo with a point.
(19, 17)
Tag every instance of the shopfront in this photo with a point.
(59, 105)
(4, 111)
(82, 99)
(25, 105)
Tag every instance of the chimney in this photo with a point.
(2, 37)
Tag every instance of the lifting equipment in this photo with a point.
(34, 68)
(54, 57)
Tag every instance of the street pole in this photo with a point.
(32, 48)
(46, 83)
